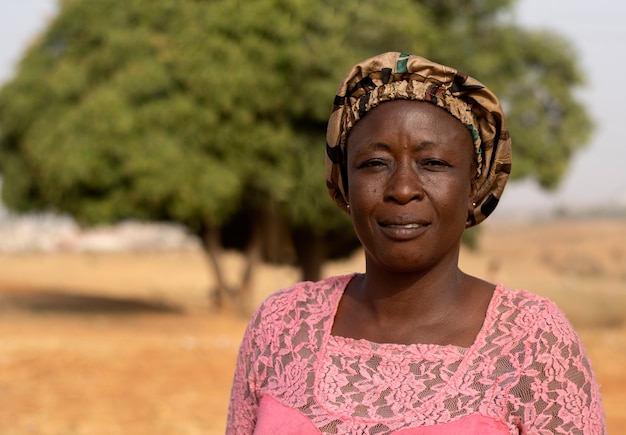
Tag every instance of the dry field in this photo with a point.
(125, 343)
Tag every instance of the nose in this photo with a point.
(404, 184)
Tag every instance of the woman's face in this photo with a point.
(410, 184)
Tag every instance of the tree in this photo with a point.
(213, 114)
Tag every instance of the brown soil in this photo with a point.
(125, 343)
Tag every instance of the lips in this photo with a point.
(403, 222)
(403, 227)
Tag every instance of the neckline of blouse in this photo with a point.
(421, 349)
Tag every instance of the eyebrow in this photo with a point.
(424, 145)
(379, 146)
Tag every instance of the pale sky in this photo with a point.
(597, 175)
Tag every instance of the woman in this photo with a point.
(416, 152)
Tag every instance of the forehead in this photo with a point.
(410, 120)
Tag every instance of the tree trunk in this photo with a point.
(310, 252)
(253, 255)
(222, 295)
(262, 230)
(212, 246)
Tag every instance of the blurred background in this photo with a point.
(162, 173)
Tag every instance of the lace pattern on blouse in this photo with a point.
(527, 369)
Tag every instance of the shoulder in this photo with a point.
(537, 331)
(303, 299)
(551, 367)
(304, 294)
(531, 314)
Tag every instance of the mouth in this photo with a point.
(409, 226)
(407, 222)
(403, 228)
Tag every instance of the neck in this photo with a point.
(437, 306)
(405, 295)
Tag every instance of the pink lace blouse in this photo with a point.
(526, 373)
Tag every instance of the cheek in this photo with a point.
(364, 197)
(362, 189)
(453, 194)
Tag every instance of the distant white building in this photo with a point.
(52, 233)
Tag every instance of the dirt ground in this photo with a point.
(125, 343)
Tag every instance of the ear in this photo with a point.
(472, 194)
(344, 183)
(346, 199)
(471, 200)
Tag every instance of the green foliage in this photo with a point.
(193, 111)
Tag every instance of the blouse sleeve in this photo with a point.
(244, 401)
(557, 391)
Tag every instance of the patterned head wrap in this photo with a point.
(398, 76)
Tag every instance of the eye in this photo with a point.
(372, 163)
(434, 164)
